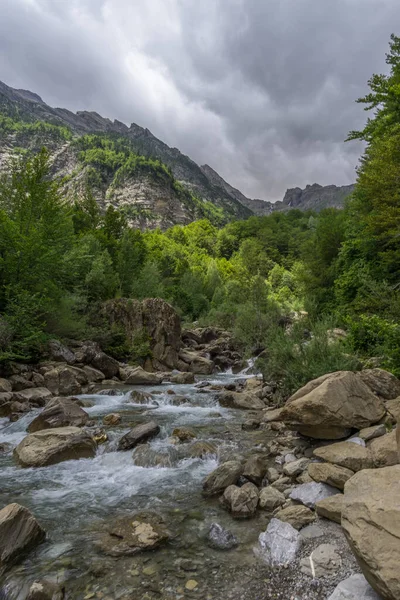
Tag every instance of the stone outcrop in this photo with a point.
(381, 382)
(331, 406)
(19, 533)
(59, 412)
(52, 446)
(138, 435)
(371, 521)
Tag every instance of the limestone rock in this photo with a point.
(345, 454)
(52, 446)
(196, 363)
(138, 435)
(93, 375)
(241, 501)
(255, 468)
(139, 376)
(373, 432)
(272, 415)
(311, 493)
(331, 508)
(355, 587)
(330, 474)
(220, 538)
(324, 561)
(247, 401)
(59, 412)
(371, 521)
(384, 450)
(330, 406)
(295, 467)
(270, 499)
(279, 544)
(223, 476)
(19, 533)
(381, 382)
(138, 533)
(298, 516)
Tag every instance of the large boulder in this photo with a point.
(382, 383)
(52, 446)
(223, 476)
(105, 363)
(371, 521)
(138, 435)
(19, 533)
(182, 378)
(255, 468)
(246, 400)
(330, 406)
(139, 376)
(346, 454)
(241, 501)
(331, 508)
(197, 364)
(65, 380)
(59, 412)
(5, 386)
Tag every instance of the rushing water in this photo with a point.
(74, 499)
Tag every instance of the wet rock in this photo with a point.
(114, 391)
(139, 376)
(145, 456)
(201, 449)
(373, 432)
(371, 522)
(241, 501)
(184, 434)
(196, 363)
(270, 499)
(246, 400)
(223, 476)
(355, 587)
(381, 382)
(182, 378)
(294, 468)
(60, 353)
(330, 406)
(52, 446)
(139, 397)
(138, 435)
(99, 435)
(298, 516)
(93, 375)
(45, 590)
(311, 493)
(330, 474)
(112, 419)
(5, 386)
(272, 475)
(19, 382)
(384, 450)
(19, 533)
(59, 412)
(279, 544)
(255, 468)
(331, 508)
(345, 454)
(37, 396)
(324, 561)
(220, 538)
(129, 535)
(251, 425)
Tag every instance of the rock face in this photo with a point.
(52, 446)
(346, 454)
(330, 406)
(59, 412)
(241, 501)
(138, 435)
(19, 533)
(279, 544)
(220, 538)
(130, 535)
(223, 476)
(371, 521)
(154, 318)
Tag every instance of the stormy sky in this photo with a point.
(261, 90)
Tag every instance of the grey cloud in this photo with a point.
(263, 91)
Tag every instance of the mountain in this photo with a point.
(129, 168)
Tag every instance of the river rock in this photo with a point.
(241, 501)
(296, 467)
(393, 408)
(5, 386)
(311, 493)
(370, 433)
(223, 476)
(271, 415)
(201, 449)
(182, 378)
(270, 499)
(324, 561)
(146, 456)
(346, 454)
(52, 446)
(138, 435)
(279, 544)
(139, 376)
(355, 587)
(330, 474)
(19, 382)
(331, 508)
(196, 363)
(298, 516)
(59, 412)
(37, 396)
(19, 533)
(246, 400)
(371, 522)
(330, 406)
(184, 434)
(255, 468)
(381, 382)
(93, 375)
(129, 535)
(384, 450)
(45, 590)
(220, 538)
(112, 419)
(60, 353)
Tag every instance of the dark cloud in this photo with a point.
(263, 91)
